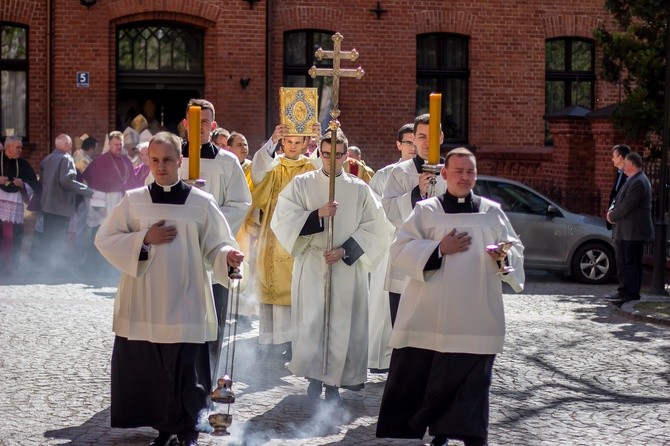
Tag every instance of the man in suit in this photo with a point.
(630, 216)
(619, 153)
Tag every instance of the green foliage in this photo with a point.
(634, 56)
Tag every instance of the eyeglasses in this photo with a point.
(338, 155)
(407, 143)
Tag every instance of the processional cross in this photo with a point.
(336, 72)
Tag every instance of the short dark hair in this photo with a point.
(340, 138)
(635, 159)
(202, 103)
(458, 151)
(622, 149)
(89, 143)
(421, 119)
(405, 129)
(232, 136)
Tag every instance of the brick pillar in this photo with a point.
(604, 138)
(573, 155)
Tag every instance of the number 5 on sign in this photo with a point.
(82, 79)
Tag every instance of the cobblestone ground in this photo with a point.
(574, 372)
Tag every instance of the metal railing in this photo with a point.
(583, 200)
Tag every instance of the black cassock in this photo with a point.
(448, 393)
(164, 386)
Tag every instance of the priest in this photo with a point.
(109, 176)
(450, 323)
(408, 184)
(165, 239)
(359, 233)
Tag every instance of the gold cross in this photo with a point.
(336, 72)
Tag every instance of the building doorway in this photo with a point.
(163, 109)
(159, 67)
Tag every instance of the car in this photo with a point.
(553, 237)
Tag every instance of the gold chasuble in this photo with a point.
(358, 169)
(274, 263)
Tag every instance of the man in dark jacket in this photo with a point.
(630, 216)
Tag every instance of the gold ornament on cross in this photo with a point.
(336, 72)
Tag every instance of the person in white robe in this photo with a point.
(359, 232)
(407, 185)
(379, 351)
(270, 173)
(451, 322)
(165, 239)
(225, 180)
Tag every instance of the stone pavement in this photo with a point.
(574, 372)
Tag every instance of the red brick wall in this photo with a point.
(506, 88)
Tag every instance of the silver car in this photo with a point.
(553, 238)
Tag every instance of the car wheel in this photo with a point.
(593, 263)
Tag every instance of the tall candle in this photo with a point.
(193, 142)
(435, 112)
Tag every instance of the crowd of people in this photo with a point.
(405, 262)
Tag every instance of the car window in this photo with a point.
(513, 198)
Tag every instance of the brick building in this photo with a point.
(501, 66)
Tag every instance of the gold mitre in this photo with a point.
(139, 123)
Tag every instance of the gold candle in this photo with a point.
(193, 143)
(435, 112)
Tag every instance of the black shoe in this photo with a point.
(439, 440)
(163, 439)
(474, 441)
(333, 395)
(315, 388)
(615, 297)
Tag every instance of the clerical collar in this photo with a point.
(456, 205)
(418, 162)
(458, 200)
(168, 188)
(338, 174)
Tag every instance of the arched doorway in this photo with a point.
(159, 67)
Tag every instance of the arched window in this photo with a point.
(442, 67)
(299, 49)
(13, 79)
(569, 75)
(159, 47)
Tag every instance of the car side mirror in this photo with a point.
(552, 211)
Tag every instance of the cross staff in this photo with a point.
(336, 72)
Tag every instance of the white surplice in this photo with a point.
(168, 297)
(225, 180)
(397, 202)
(359, 216)
(457, 308)
(379, 312)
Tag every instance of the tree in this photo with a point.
(634, 57)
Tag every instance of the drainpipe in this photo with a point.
(661, 241)
(268, 69)
(49, 65)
